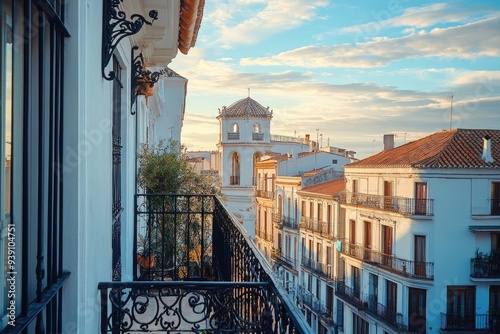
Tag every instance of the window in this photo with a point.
(461, 307)
(329, 220)
(318, 252)
(117, 170)
(367, 240)
(320, 212)
(495, 297)
(387, 245)
(419, 256)
(359, 325)
(236, 127)
(354, 186)
(334, 161)
(495, 242)
(495, 198)
(416, 310)
(340, 313)
(388, 193)
(256, 128)
(311, 209)
(373, 291)
(303, 209)
(235, 168)
(421, 198)
(391, 299)
(5, 149)
(356, 281)
(280, 206)
(352, 232)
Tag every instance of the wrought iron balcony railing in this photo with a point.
(290, 222)
(403, 267)
(369, 303)
(278, 219)
(310, 300)
(257, 136)
(485, 268)
(233, 135)
(264, 194)
(206, 277)
(264, 235)
(287, 261)
(348, 294)
(314, 225)
(468, 322)
(403, 205)
(323, 269)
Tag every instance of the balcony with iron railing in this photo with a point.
(278, 220)
(290, 222)
(257, 136)
(370, 304)
(402, 267)
(316, 226)
(326, 316)
(283, 259)
(264, 235)
(324, 270)
(233, 135)
(402, 205)
(466, 323)
(309, 300)
(487, 267)
(204, 275)
(264, 194)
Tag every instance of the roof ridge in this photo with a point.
(438, 156)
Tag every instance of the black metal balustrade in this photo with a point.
(467, 322)
(264, 194)
(309, 300)
(207, 277)
(314, 225)
(264, 235)
(233, 135)
(386, 314)
(322, 269)
(485, 268)
(348, 294)
(403, 205)
(257, 136)
(290, 222)
(287, 261)
(403, 267)
(278, 220)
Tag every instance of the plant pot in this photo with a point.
(146, 262)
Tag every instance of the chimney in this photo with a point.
(388, 142)
(308, 138)
(487, 149)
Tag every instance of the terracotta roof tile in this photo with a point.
(459, 148)
(190, 18)
(246, 107)
(332, 187)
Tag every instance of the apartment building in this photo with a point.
(422, 228)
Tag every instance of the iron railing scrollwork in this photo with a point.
(207, 276)
(141, 77)
(115, 27)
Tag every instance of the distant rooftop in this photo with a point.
(246, 107)
(332, 187)
(458, 148)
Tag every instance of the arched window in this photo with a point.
(236, 128)
(235, 176)
(256, 158)
(280, 206)
(256, 128)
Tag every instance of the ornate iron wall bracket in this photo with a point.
(141, 77)
(115, 27)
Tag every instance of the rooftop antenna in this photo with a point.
(451, 110)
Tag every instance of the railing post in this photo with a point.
(104, 310)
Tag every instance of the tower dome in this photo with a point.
(246, 107)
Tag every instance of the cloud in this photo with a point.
(250, 21)
(459, 42)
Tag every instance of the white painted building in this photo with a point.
(245, 136)
(421, 248)
(72, 128)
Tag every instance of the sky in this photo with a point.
(347, 72)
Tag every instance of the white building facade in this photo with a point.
(71, 125)
(422, 225)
